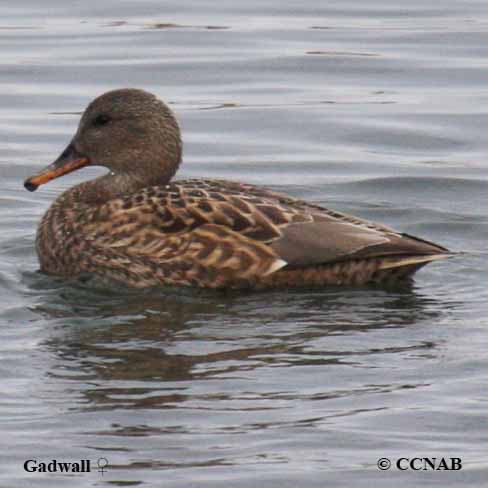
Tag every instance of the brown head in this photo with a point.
(128, 131)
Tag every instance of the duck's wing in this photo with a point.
(299, 232)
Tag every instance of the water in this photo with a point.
(378, 108)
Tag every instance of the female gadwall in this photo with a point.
(134, 226)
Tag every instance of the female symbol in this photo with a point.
(102, 464)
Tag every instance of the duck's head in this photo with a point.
(128, 131)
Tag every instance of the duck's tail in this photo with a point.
(416, 261)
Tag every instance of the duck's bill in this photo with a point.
(69, 160)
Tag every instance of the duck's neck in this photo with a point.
(109, 186)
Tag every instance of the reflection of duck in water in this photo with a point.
(137, 227)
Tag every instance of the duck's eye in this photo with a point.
(101, 119)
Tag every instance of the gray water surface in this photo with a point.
(377, 108)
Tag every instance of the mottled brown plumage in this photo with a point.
(136, 227)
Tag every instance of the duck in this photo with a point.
(137, 227)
